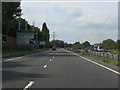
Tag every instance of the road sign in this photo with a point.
(42, 43)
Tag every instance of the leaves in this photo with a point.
(10, 10)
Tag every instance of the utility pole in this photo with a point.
(53, 36)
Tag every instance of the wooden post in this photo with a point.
(112, 56)
(118, 57)
(107, 55)
(103, 54)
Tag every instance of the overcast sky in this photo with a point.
(78, 21)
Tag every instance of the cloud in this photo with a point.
(72, 22)
(97, 22)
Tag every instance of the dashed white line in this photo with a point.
(50, 60)
(29, 85)
(45, 66)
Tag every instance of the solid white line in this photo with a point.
(114, 71)
(101, 65)
(12, 59)
(29, 85)
(45, 66)
(18, 57)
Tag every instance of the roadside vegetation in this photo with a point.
(16, 53)
(101, 58)
(111, 46)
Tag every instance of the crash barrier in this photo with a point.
(105, 54)
(102, 54)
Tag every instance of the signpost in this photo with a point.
(42, 43)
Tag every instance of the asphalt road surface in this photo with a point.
(56, 69)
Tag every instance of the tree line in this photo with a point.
(105, 44)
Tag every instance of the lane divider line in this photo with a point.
(105, 67)
(50, 60)
(45, 66)
(29, 85)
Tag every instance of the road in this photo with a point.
(56, 69)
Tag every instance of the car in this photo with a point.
(53, 48)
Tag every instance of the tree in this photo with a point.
(10, 11)
(86, 44)
(118, 45)
(57, 43)
(23, 23)
(76, 45)
(45, 33)
(108, 44)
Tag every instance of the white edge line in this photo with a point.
(100, 65)
(29, 85)
(45, 66)
(116, 1)
(114, 71)
(11, 59)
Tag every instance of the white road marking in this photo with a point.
(12, 59)
(114, 71)
(29, 85)
(75, 54)
(53, 57)
(50, 60)
(101, 65)
(18, 57)
(45, 66)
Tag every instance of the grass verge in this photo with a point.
(16, 53)
(100, 58)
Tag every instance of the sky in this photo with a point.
(75, 21)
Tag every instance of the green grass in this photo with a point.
(100, 58)
(16, 53)
(115, 51)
